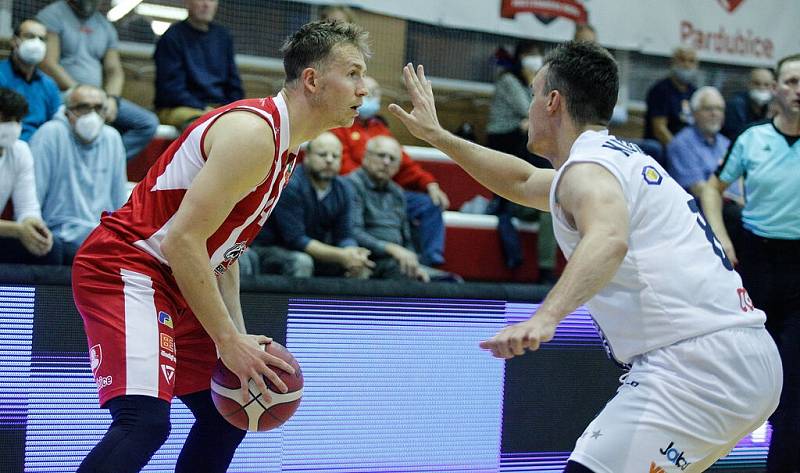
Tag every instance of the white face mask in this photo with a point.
(9, 133)
(532, 63)
(31, 51)
(760, 96)
(89, 126)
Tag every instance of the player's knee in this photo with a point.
(144, 420)
(575, 467)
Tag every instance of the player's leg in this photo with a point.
(140, 425)
(132, 361)
(212, 440)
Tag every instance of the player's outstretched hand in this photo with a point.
(422, 122)
(245, 356)
(515, 339)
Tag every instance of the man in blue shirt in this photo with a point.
(80, 168)
(20, 72)
(751, 105)
(697, 150)
(311, 229)
(195, 68)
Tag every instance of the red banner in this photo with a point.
(571, 9)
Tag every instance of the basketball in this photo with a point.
(257, 414)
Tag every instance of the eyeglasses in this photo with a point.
(84, 108)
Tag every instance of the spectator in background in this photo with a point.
(195, 67)
(697, 151)
(311, 229)
(425, 200)
(508, 132)
(25, 239)
(668, 109)
(20, 72)
(82, 49)
(338, 12)
(767, 155)
(80, 168)
(380, 223)
(751, 105)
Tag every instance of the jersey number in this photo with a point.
(715, 244)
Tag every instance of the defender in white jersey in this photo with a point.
(703, 370)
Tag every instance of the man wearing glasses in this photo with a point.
(80, 168)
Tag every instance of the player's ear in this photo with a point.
(554, 100)
(310, 79)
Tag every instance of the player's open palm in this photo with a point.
(515, 339)
(422, 122)
(245, 356)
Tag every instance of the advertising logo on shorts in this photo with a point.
(169, 373)
(167, 342)
(674, 456)
(164, 319)
(95, 358)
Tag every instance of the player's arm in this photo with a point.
(229, 289)
(233, 168)
(503, 174)
(711, 203)
(593, 202)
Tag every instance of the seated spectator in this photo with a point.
(20, 72)
(698, 150)
(80, 168)
(751, 105)
(82, 49)
(425, 200)
(668, 109)
(195, 67)
(25, 239)
(311, 230)
(380, 222)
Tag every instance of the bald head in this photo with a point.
(323, 158)
(382, 159)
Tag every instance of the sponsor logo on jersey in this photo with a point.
(165, 319)
(167, 342)
(103, 381)
(231, 254)
(744, 300)
(168, 372)
(95, 358)
(674, 456)
(651, 175)
(168, 356)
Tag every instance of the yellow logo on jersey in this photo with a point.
(651, 175)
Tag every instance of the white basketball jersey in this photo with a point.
(675, 282)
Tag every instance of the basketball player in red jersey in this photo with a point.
(157, 282)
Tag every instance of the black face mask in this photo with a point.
(84, 8)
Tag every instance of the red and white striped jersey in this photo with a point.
(146, 218)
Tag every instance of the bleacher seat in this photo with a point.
(472, 249)
(138, 166)
(454, 181)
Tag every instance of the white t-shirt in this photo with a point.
(17, 181)
(675, 282)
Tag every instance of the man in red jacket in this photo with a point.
(425, 200)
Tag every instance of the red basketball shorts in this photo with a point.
(143, 338)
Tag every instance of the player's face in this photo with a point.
(787, 92)
(342, 86)
(537, 114)
(324, 159)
